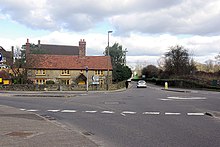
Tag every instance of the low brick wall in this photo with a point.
(56, 87)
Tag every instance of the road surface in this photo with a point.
(135, 117)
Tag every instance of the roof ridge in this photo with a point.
(60, 45)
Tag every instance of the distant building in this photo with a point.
(7, 59)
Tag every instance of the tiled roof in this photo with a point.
(43, 61)
(59, 49)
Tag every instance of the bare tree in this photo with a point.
(178, 62)
(161, 63)
(209, 65)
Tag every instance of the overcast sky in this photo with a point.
(147, 28)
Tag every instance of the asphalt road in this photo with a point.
(135, 117)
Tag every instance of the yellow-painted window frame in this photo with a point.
(40, 72)
(99, 72)
(40, 81)
(66, 81)
(101, 82)
(65, 72)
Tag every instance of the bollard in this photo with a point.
(166, 85)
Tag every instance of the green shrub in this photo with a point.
(50, 82)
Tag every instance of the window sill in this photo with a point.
(65, 74)
(40, 74)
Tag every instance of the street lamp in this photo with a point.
(125, 51)
(87, 80)
(108, 61)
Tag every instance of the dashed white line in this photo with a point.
(129, 112)
(90, 111)
(151, 113)
(53, 110)
(195, 114)
(108, 112)
(22, 109)
(32, 110)
(172, 113)
(123, 113)
(69, 111)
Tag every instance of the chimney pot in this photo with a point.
(38, 43)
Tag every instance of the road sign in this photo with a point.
(1, 56)
(95, 78)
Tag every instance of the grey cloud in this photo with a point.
(27, 13)
(191, 17)
(145, 16)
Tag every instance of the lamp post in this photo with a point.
(125, 51)
(87, 80)
(107, 86)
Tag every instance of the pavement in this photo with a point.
(25, 129)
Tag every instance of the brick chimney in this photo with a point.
(27, 52)
(82, 47)
(39, 45)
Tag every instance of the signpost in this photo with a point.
(87, 81)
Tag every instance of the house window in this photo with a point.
(101, 82)
(66, 82)
(99, 72)
(40, 81)
(40, 72)
(65, 72)
(3, 59)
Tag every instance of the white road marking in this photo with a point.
(195, 114)
(151, 113)
(172, 113)
(108, 112)
(90, 111)
(165, 99)
(122, 114)
(69, 111)
(22, 109)
(129, 112)
(187, 98)
(53, 110)
(32, 110)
